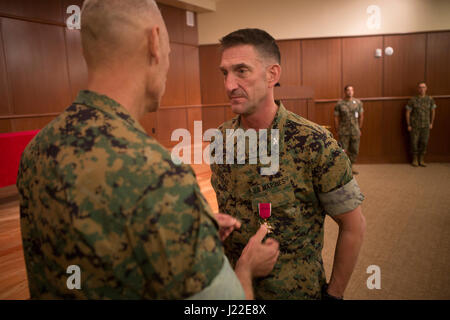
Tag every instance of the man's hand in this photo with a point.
(226, 225)
(431, 126)
(409, 128)
(257, 258)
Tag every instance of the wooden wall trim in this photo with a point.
(353, 36)
(380, 98)
(9, 101)
(383, 45)
(37, 20)
(426, 57)
(35, 115)
(212, 105)
(180, 106)
(68, 66)
(293, 93)
(184, 44)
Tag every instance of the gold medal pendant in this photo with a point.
(268, 225)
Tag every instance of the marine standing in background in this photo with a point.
(348, 120)
(420, 114)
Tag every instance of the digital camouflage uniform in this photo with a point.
(97, 192)
(314, 178)
(420, 120)
(349, 112)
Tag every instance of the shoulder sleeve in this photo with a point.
(174, 236)
(226, 286)
(410, 104)
(336, 109)
(361, 108)
(432, 103)
(337, 190)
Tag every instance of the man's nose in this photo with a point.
(230, 83)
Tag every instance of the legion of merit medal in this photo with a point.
(265, 210)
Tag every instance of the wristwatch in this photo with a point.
(327, 296)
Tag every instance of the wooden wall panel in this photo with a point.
(176, 23)
(229, 114)
(212, 86)
(148, 121)
(439, 144)
(299, 107)
(168, 120)
(324, 114)
(76, 63)
(438, 63)
(406, 66)
(37, 66)
(394, 131)
(371, 143)
(360, 67)
(193, 114)
(212, 117)
(290, 63)
(175, 86)
(5, 126)
(65, 4)
(174, 19)
(26, 124)
(5, 101)
(190, 34)
(321, 64)
(192, 75)
(49, 10)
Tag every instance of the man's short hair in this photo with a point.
(260, 39)
(109, 26)
(420, 82)
(347, 86)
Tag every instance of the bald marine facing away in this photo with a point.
(100, 196)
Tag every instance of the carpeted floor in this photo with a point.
(407, 211)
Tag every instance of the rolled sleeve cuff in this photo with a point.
(342, 200)
(336, 113)
(225, 286)
(408, 108)
(433, 106)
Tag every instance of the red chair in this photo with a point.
(11, 146)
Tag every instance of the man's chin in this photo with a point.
(238, 108)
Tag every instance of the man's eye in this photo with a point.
(242, 71)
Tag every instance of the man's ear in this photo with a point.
(153, 41)
(273, 75)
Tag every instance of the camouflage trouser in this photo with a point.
(419, 140)
(350, 144)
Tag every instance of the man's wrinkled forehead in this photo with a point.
(240, 55)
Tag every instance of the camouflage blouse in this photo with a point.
(314, 178)
(97, 192)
